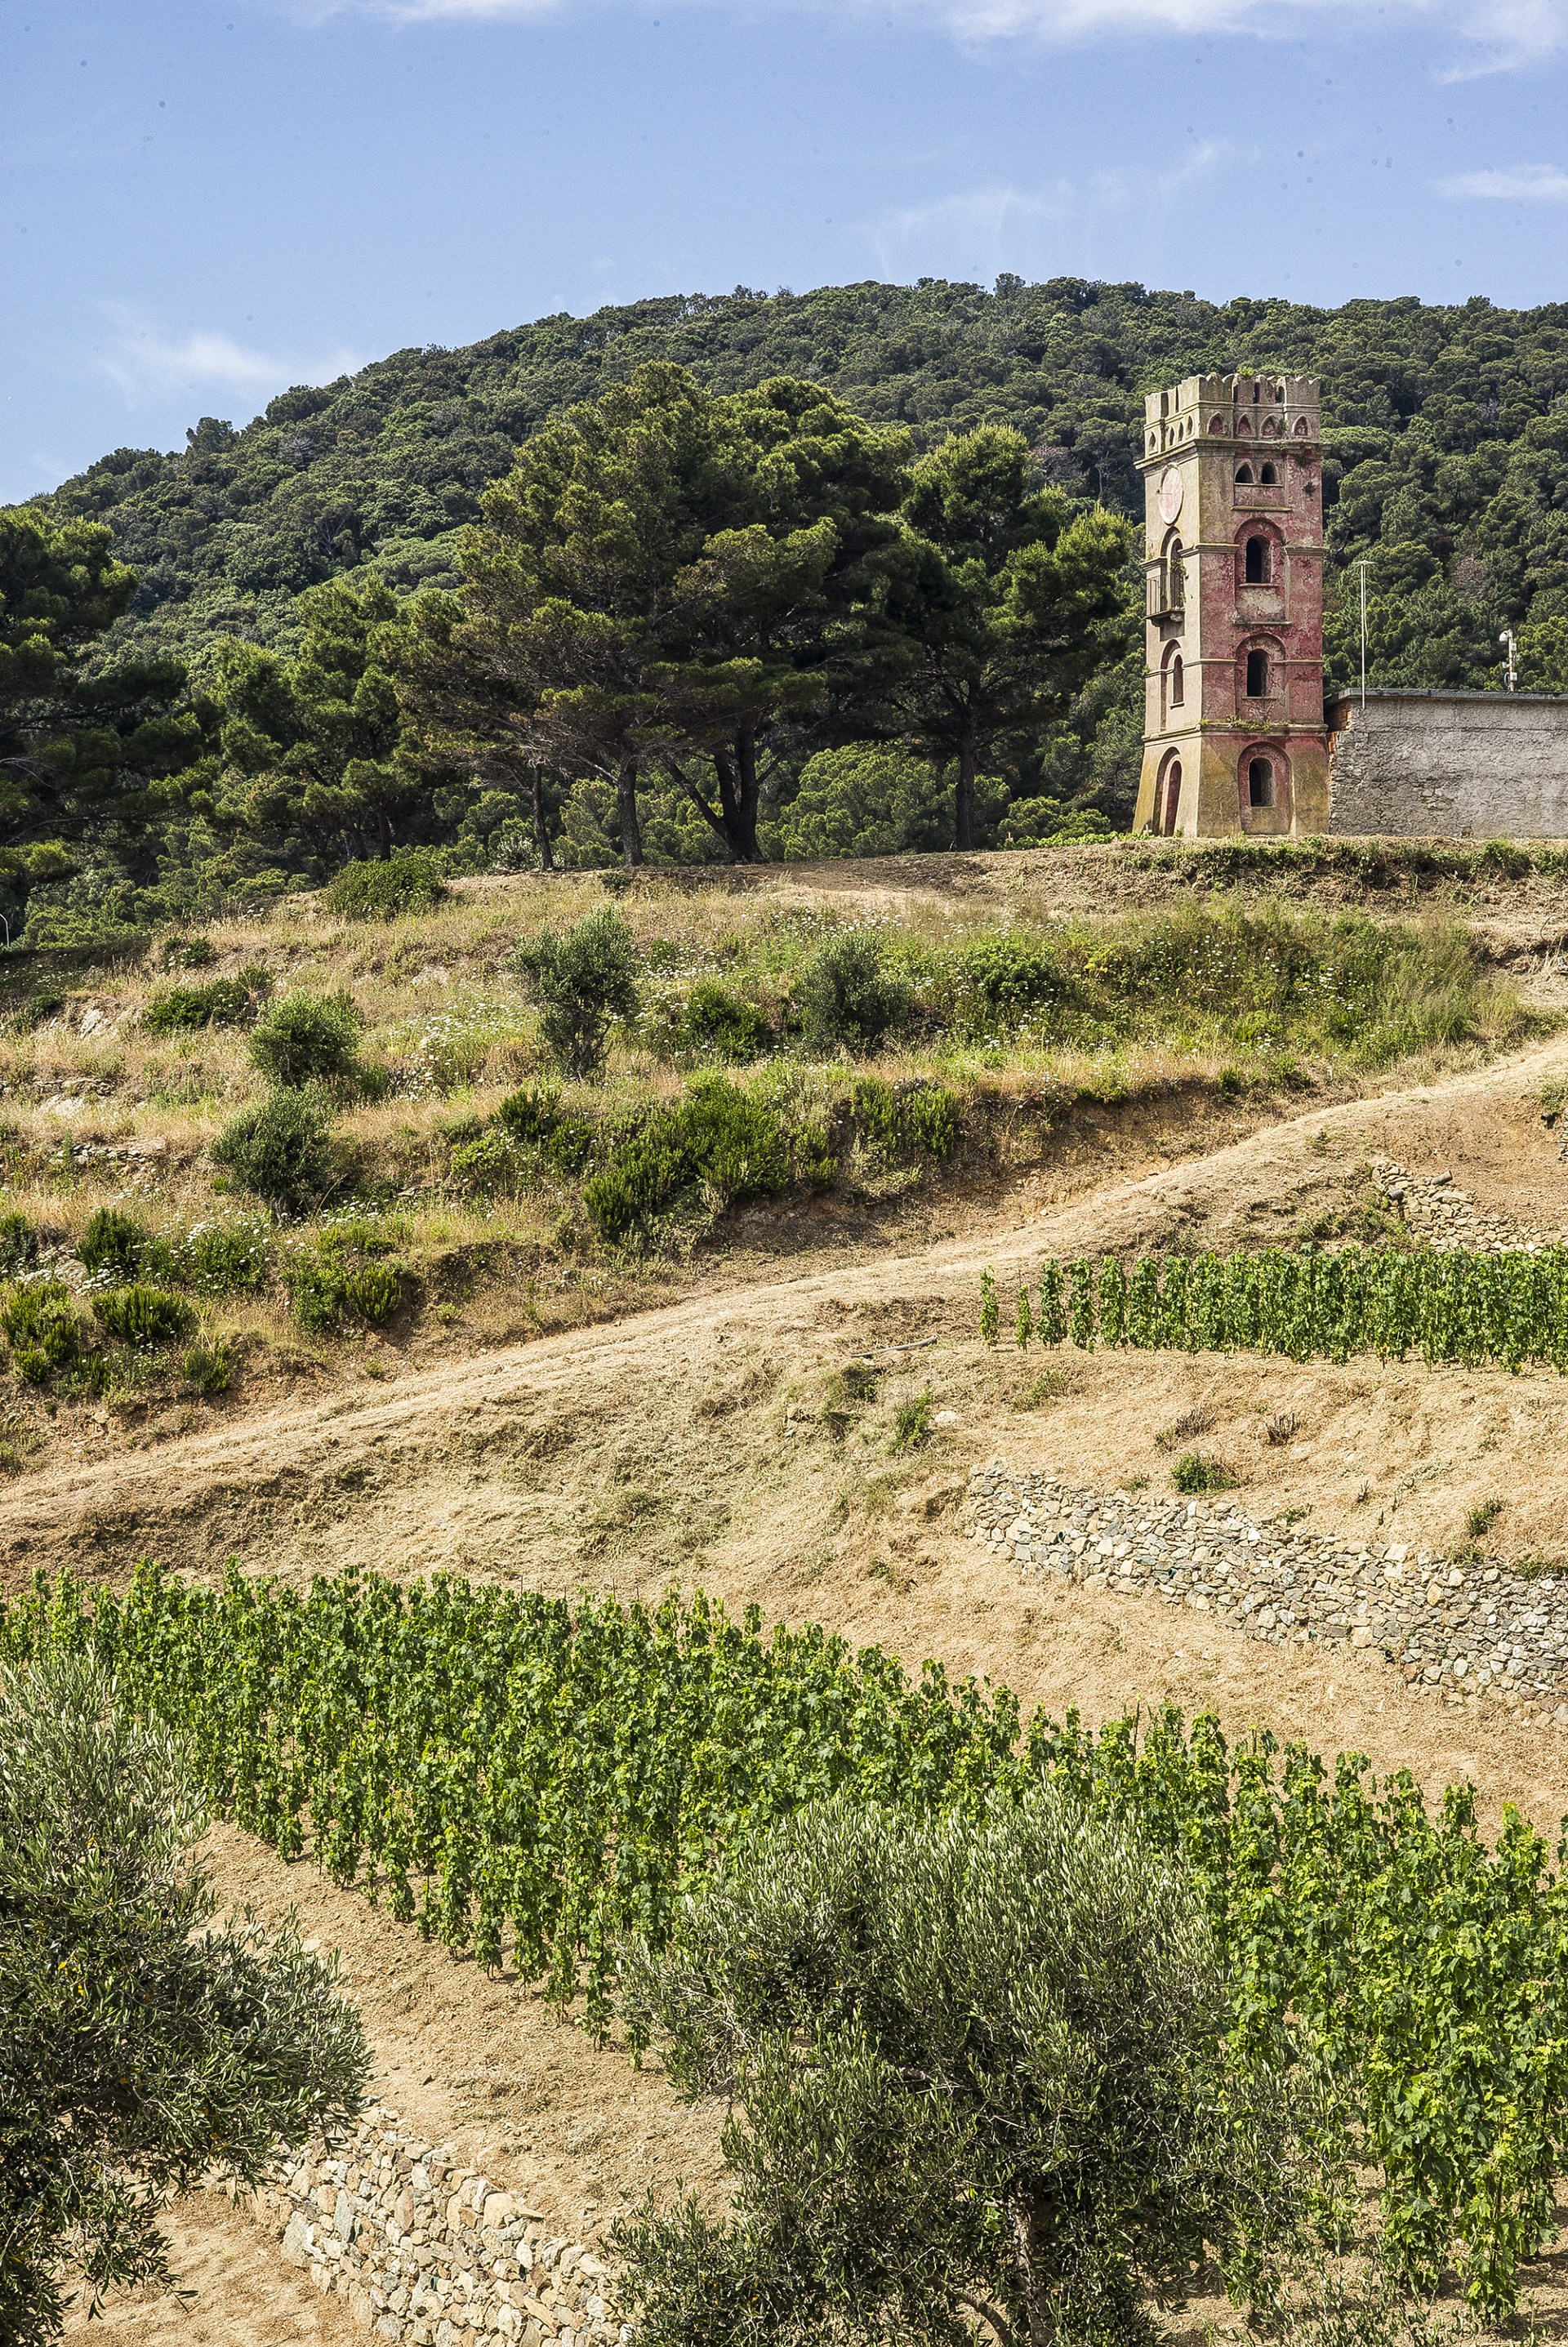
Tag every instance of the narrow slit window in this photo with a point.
(1260, 782)
(1257, 573)
(1176, 682)
(1256, 675)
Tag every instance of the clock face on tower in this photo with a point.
(1170, 494)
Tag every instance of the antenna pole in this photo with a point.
(1363, 569)
(1507, 638)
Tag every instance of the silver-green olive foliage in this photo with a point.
(143, 2041)
(980, 2073)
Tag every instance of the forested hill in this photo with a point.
(1447, 439)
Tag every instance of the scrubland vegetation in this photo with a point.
(285, 1135)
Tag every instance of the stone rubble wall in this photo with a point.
(1465, 1632)
(1448, 1218)
(429, 2251)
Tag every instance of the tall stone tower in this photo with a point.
(1234, 734)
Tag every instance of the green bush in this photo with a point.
(1002, 977)
(225, 1002)
(582, 980)
(187, 953)
(224, 1258)
(921, 1116)
(847, 998)
(280, 1149)
(912, 1421)
(40, 1319)
(717, 1139)
(139, 1314)
(207, 1368)
(406, 881)
(348, 1273)
(716, 1023)
(1194, 1473)
(18, 1243)
(535, 1119)
(113, 1241)
(308, 1039)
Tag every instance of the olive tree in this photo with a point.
(980, 2079)
(582, 980)
(146, 2042)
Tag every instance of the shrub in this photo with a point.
(187, 953)
(717, 1023)
(1002, 977)
(144, 1316)
(308, 1039)
(718, 1139)
(281, 1150)
(207, 1368)
(535, 1119)
(347, 1273)
(922, 1117)
(976, 2063)
(406, 881)
(582, 980)
(18, 1242)
(847, 997)
(220, 1258)
(222, 1003)
(1194, 1473)
(41, 1321)
(148, 2039)
(912, 1421)
(113, 1241)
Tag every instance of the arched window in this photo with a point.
(1267, 476)
(1269, 427)
(1279, 393)
(1301, 427)
(1243, 474)
(1171, 683)
(1255, 569)
(1178, 689)
(1256, 675)
(1243, 428)
(1218, 424)
(1176, 577)
(1260, 782)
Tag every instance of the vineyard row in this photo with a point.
(1510, 1306)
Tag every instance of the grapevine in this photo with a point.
(518, 1776)
(1510, 1308)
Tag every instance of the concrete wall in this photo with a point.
(1467, 766)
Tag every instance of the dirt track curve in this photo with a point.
(282, 1486)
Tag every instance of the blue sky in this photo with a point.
(204, 200)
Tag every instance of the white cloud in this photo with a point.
(1522, 183)
(148, 363)
(975, 231)
(1503, 32)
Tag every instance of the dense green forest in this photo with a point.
(1446, 465)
